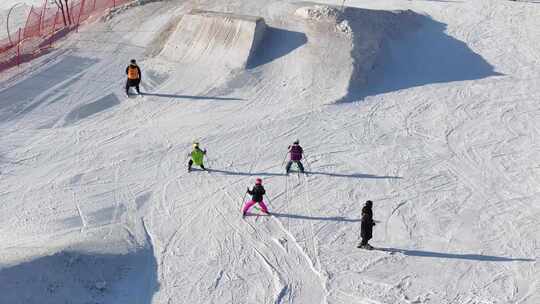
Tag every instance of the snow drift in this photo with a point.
(115, 263)
(365, 33)
(227, 39)
(78, 277)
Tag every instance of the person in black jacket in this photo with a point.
(366, 228)
(257, 194)
(133, 73)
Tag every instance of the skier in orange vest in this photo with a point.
(133, 77)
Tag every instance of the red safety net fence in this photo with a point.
(47, 24)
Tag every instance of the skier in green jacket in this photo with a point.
(197, 157)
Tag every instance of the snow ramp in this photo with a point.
(359, 39)
(222, 39)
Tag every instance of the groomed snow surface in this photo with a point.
(429, 108)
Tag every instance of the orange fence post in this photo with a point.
(19, 49)
(27, 19)
(53, 29)
(42, 16)
(70, 14)
(80, 13)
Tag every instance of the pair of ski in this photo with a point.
(197, 169)
(298, 174)
(297, 171)
(130, 95)
(370, 248)
(366, 247)
(261, 213)
(256, 207)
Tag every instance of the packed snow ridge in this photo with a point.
(366, 33)
(236, 41)
(223, 39)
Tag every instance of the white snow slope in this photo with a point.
(428, 108)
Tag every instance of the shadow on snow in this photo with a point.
(353, 175)
(474, 257)
(425, 56)
(226, 172)
(315, 218)
(190, 96)
(95, 107)
(276, 43)
(70, 276)
(28, 94)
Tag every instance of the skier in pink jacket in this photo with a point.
(257, 193)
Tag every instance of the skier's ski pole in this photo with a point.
(284, 159)
(243, 200)
(210, 161)
(307, 162)
(268, 199)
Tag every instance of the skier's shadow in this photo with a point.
(246, 173)
(72, 271)
(473, 257)
(353, 175)
(315, 218)
(189, 96)
(275, 44)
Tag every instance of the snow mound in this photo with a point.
(363, 33)
(221, 39)
(318, 12)
(75, 277)
(107, 264)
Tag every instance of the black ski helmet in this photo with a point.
(133, 61)
(369, 203)
(296, 142)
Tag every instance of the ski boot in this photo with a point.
(366, 246)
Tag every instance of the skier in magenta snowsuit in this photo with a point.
(296, 152)
(257, 194)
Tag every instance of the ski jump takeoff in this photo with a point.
(133, 77)
(295, 156)
(257, 193)
(196, 157)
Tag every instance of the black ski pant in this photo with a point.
(366, 231)
(190, 163)
(364, 241)
(298, 163)
(133, 83)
